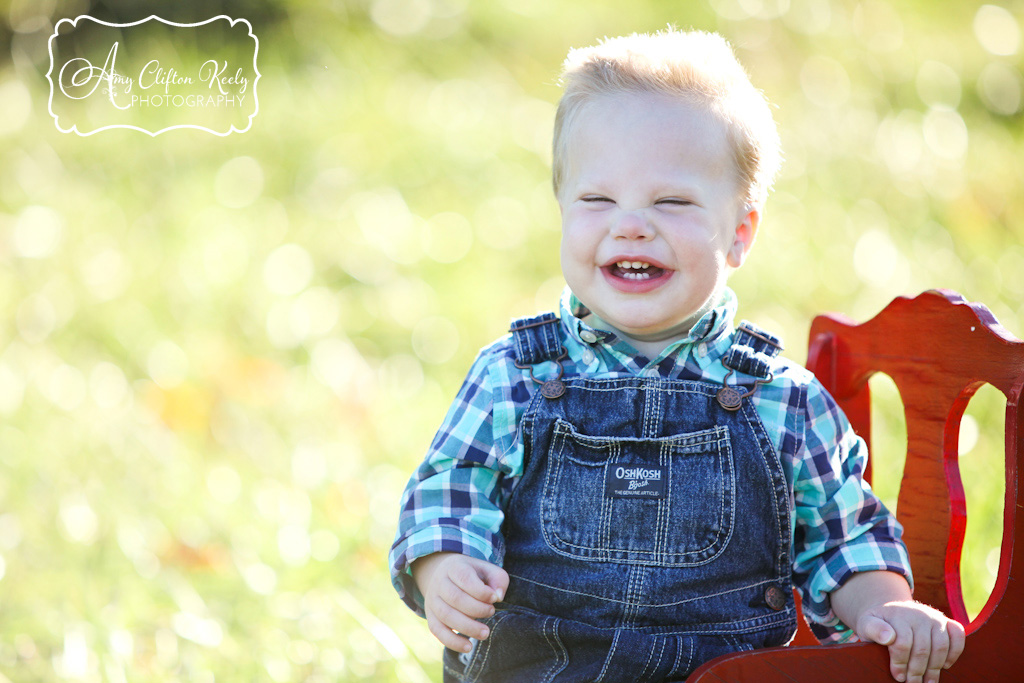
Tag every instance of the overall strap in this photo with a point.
(752, 350)
(536, 339)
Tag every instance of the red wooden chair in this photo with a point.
(938, 349)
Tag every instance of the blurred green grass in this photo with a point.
(220, 358)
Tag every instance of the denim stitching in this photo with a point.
(715, 443)
(605, 534)
(661, 523)
(608, 659)
(681, 643)
(650, 656)
(634, 593)
(560, 651)
(781, 497)
(737, 589)
(482, 652)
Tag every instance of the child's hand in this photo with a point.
(458, 590)
(922, 641)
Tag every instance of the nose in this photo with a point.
(632, 225)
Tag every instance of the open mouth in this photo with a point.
(636, 270)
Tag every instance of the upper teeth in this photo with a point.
(636, 265)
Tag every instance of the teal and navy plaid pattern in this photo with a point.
(455, 500)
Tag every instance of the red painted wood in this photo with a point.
(938, 349)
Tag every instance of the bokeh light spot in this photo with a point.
(875, 258)
(224, 484)
(502, 222)
(15, 106)
(878, 25)
(288, 270)
(401, 375)
(225, 256)
(66, 387)
(1000, 86)
(900, 143)
(37, 233)
(309, 466)
(824, 81)
(261, 578)
(324, 545)
(294, 545)
(447, 237)
(105, 272)
(969, 434)
(200, 630)
(401, 17)
(809, 16)
(167, 364)
(386, 222)
(945, 133)
(238, 183)
(36, 318)
(435, 339)
(108, 386)
(78, 520)
(938, 84)
(997, 30)
(12, 389)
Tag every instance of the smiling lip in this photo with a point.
(635, 275)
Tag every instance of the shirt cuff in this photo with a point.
(447, 536)
(869, 554)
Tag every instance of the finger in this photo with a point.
(900, 653)
(446, 636)
(957, 641)
(453, 596)
(939, 653)
(920, 652)
(470, 577)
(497, 579)
(454, 620)
(876, 630)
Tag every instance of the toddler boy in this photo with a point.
(626, 489)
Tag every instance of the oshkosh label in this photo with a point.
(633, 481)
(153, 75)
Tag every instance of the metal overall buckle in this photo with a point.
(731, 398)
(551, 388)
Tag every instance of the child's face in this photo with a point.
(652, 215)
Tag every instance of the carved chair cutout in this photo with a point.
(938, 349)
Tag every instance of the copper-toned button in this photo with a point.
(553, 388)
(775, 597)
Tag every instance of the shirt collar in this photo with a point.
(711, 327)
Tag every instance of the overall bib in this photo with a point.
(650, 531)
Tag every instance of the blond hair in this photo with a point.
(696, 66)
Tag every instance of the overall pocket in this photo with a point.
(667, 501)
(522, 647)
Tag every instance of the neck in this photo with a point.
(650, 345)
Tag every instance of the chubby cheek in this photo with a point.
(579, 243)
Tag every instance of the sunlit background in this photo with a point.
(221, 357)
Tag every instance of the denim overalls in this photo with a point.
(650, 531)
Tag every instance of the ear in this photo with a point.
(743, 238)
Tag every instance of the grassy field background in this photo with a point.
(221, 357)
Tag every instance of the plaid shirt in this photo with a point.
(455, 500)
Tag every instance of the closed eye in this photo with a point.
(594, 199)
(675, 201)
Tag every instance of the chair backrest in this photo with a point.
(939, 350)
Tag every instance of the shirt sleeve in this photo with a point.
(454, 500)
(841, 527)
